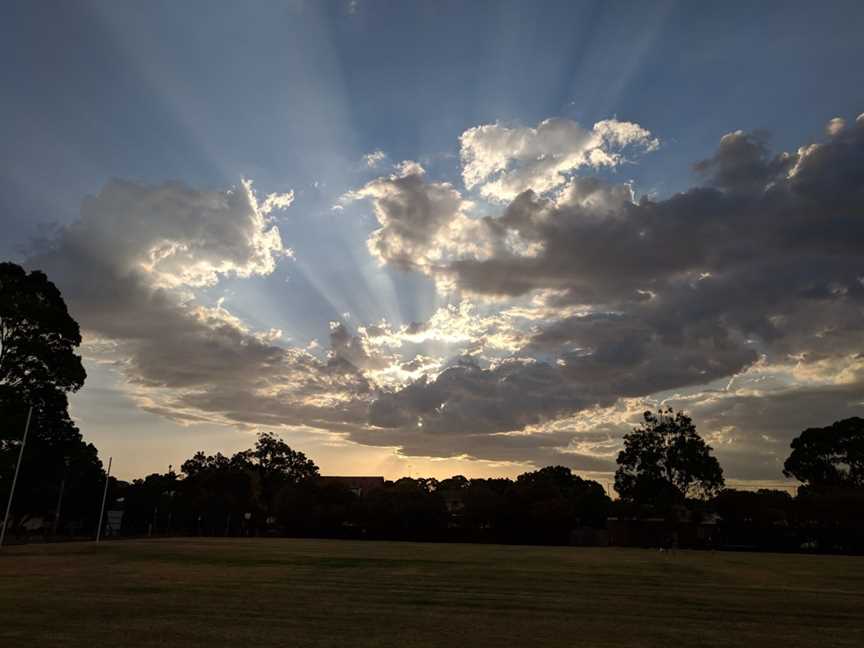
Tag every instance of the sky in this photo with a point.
(439, 238)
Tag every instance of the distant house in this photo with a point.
(360, 486)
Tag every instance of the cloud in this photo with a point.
(835, 126)
(561, 313)
(760, 263)
(422, 223)
(502, 162)
(276, 201)
(768, 236)
(128, 269)
(752, 423)
(373, 159)
(177, 236)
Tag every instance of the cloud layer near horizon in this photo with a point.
(570, 306)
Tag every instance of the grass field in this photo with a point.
(263, 592)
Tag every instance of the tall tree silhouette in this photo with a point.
(265, 480)
(38, 367)
(664, 460)
(829, 457)
(38, 338)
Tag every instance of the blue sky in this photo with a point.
(292, 95)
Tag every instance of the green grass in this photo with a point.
(263, 592)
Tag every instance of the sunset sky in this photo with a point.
(435, 238)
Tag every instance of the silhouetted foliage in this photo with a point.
(830, 457)
(251, 490)
(761, 508)
(552, 501)
(488, 507)
(272, 489)
(38, 366)
(665, 461)
(38, 338)
(405, 509)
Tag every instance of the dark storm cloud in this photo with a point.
(767, 257)
(603, 248)
(467, 399)
(772, 248)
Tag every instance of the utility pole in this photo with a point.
(15, 478)
(104, 497)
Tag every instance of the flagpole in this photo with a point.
(15, 478)
(104, 497)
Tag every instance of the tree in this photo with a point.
(489, 506)
(273, 466)
(407, 509)
(275, 458)
(38, 367)
(764, 508)
(664, 461)
(829, 457)
(554, 501)
(265, 481)
(38, 338)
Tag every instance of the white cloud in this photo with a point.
(835, 126)
(502, 162)
(373, 159)
(422, 223)
(177, 236)
(277, 201)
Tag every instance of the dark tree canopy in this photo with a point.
(553, 501)
(38, 338)
(38, 367)
(253, 480)
(275, 458)
(830, 457)
(664, 460)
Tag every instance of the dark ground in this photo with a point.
(269, 592)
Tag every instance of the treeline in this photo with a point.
(274, 490)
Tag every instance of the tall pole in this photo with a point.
(60, 498)
(104, 497)
(15, 478)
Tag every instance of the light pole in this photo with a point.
(15, 478)
(104, 497)
(60, 497)
(170, 495)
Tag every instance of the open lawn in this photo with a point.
(269, 592)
